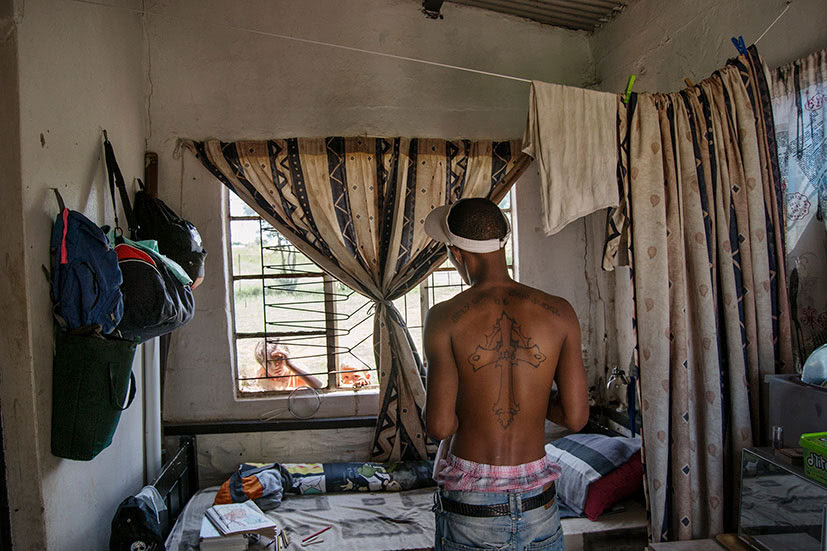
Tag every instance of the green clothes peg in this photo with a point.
(628, 91)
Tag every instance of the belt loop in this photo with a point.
(438, 500)
(515, 506)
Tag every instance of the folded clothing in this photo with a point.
(265, 484)
(586, 460)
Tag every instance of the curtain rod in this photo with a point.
(304, 40)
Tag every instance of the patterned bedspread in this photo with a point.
(360, 521)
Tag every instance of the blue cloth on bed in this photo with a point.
(585, 458)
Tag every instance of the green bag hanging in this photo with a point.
(92, 383)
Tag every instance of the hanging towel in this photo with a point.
(572, 133)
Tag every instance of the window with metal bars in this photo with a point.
(296, 326)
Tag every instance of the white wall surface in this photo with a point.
(664, 41)
(209, 80)
(80, 70)
(17, 398)
(568, 264)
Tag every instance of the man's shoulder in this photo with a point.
(546, 307)
(444, 311)
(551, 303)
(455, 308)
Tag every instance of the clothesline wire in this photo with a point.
(789, 3)
(350, 48)
(305, 40)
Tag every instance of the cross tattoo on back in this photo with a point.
(506, 348)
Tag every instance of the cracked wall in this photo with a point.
(78, 70)
(664, 42)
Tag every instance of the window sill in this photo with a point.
(323, 393)
(343, 403)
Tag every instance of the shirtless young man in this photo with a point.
(493, 353)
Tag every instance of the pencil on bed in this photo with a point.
(325, 529)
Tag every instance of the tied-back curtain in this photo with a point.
(357, 208)
(799, 93)
(700, 213)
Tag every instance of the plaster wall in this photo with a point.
(80, 70)
(568, 264)
(17, 397)
(210, 80)
(664, 42)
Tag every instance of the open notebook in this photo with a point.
(242, 518)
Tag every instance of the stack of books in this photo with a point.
(225, 527)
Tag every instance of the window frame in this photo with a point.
(330, 331)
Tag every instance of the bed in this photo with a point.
(359, 520)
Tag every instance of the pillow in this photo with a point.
(615, 486)
(321, 478)
(587, 458)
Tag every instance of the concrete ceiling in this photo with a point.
(584, 15)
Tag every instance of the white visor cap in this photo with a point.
(436, 226)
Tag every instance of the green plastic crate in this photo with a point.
(814, 446)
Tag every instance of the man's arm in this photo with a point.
(311, 381)
(441, 419)
(570, 406)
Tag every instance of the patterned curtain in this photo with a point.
(357, 207)
(701, 212)
(799, 92)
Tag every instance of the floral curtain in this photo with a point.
(357, 208)
(799, 91)
(700, 223)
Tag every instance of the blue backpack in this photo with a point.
(85, 277)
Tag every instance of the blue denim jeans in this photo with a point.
(535, 530)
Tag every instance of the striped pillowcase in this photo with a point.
(584, 459)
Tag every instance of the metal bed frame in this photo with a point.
(178, 481)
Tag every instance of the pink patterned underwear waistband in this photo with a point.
(455, 473)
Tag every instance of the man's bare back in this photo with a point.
(493, 353)
(497, 348)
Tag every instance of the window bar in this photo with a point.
(263, 294)
(296, 275)
(330, 329)
(292, 335)
(424, 305)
